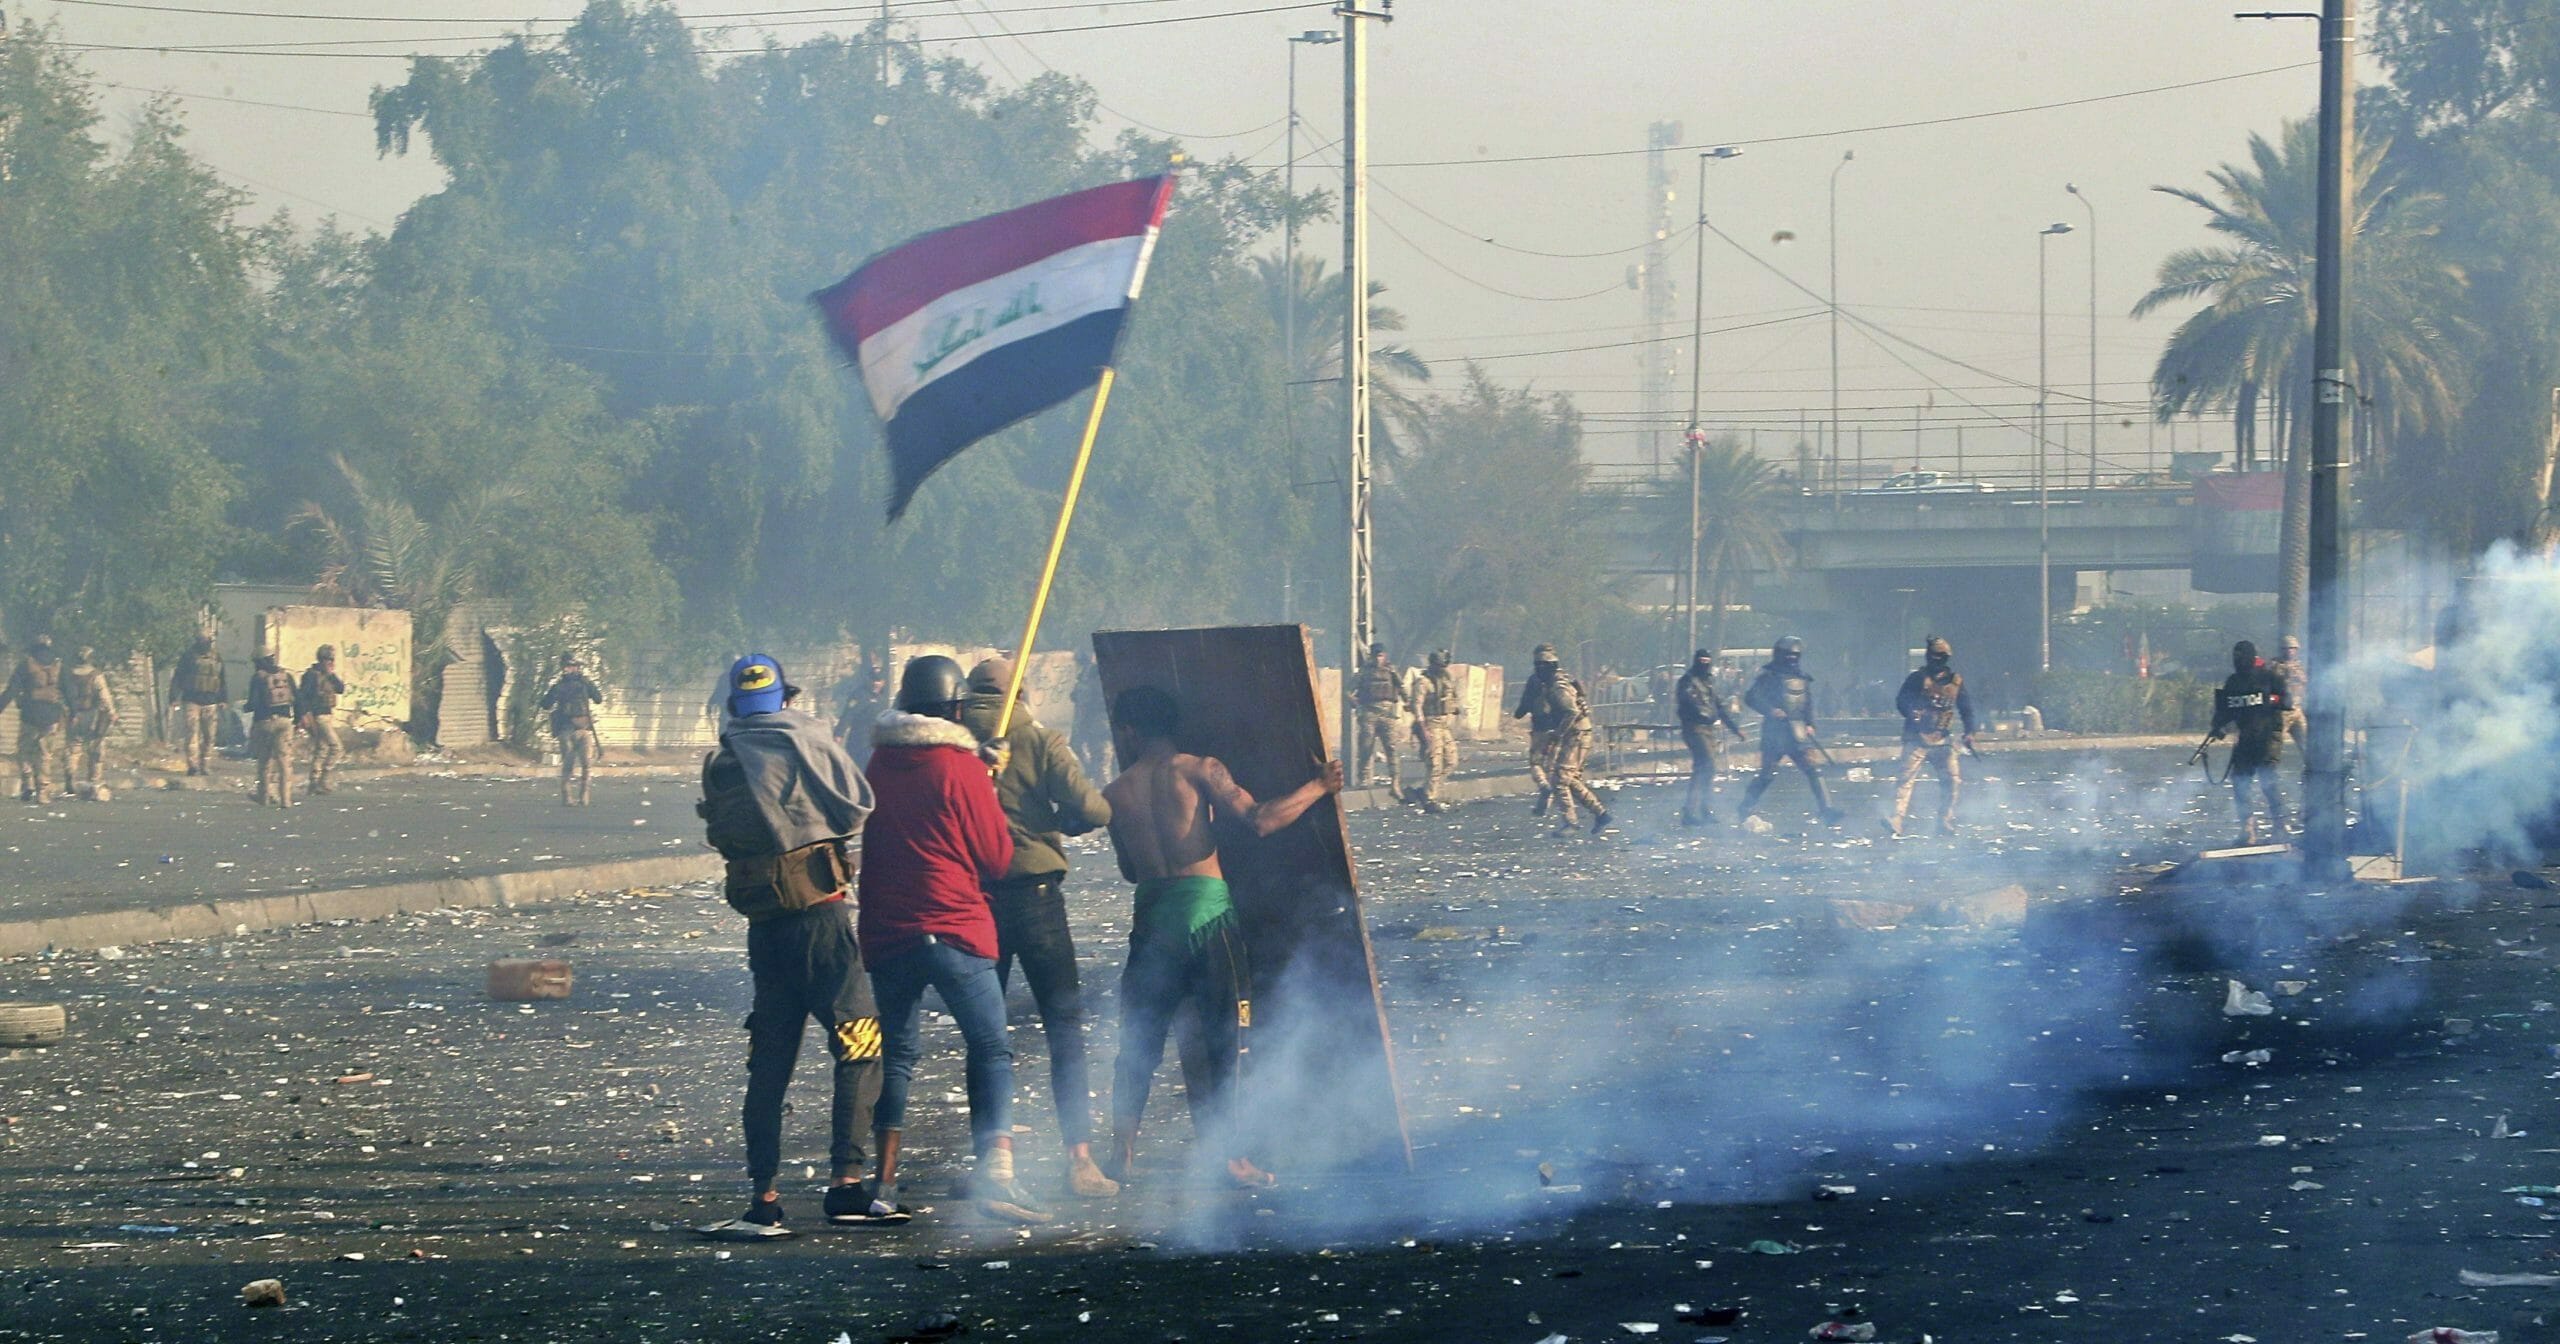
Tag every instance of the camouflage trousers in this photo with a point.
(326, 748)
(1564, 767)
(271, 743)
(1378, 738)
(1439, 755)
(1919, 755)
(577, 767)
(198, 725)
(88, 752)
(42, 758)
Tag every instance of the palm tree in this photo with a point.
(2250, 344)
(1394, 406)
(1738, 527)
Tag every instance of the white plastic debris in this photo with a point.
(2472, 1278)
(2238, 1000)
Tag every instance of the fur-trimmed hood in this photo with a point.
(898, 728)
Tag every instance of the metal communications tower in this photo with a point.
(1658, 359)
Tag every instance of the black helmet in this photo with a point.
(1938, 647)
(1789, 646)
(1377, 650)
(1439, 657)
(1703, 658)
(1544, 653)
(931, 684)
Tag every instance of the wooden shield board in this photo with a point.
(1320, 1066)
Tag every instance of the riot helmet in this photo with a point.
(933, 686)
(1788, 651)
(1939, 650)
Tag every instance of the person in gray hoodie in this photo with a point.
(781, 799)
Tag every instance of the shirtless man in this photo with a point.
(1183, 943)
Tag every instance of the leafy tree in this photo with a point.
(125, 300)
(1489, 545)
(1738, 532)
(2252, 338)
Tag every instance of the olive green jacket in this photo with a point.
(1044, 792)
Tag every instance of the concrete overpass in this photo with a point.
(1866, 574)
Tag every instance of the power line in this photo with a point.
(1028, 50)
(843, 11)
(223, 98)
(1864, 130)
(1620, 345)
(302, 49)
(1474, 237)
(1425, 254)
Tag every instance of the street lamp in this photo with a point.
(1318, 37)
(2044, 501)
(1846, 157)
(1697, 366)
(2092, 209)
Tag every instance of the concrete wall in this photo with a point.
(373, 656)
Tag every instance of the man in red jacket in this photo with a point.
(936, 838)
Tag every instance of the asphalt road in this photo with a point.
(150, 847)
(1627, 1060)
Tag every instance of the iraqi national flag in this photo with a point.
(963, 331)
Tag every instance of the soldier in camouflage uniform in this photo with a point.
(1557, 701)
(1783, 696)
(1379, 699)
(2290, 668)
(270, 710)
(316, 703)
(35, 687)
(1702, 708)
(198, 690)
(571, 702)
(91, 708)
(1933, 703)
(1542, 724)
(1435, 727)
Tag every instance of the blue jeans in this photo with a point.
(973, 997)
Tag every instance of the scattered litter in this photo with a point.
(1710, 1316)
(1765, 1247)
(2238, 1000)
(2445, 1334)
(738, 1229)
(2252, 1058)
(1639, 1327)
(149, 1229)
(2289, 988)
(2299, 1186)
(1852, 1331)
(1824, 1194)
(2272, 1140)
(2472, 1278)
(262, 1293)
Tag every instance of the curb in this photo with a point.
(222, 918)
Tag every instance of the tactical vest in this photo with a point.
(200, 678)
(1938, 717)
(278, 688)
(82, 692)
(1439, 695)
(43, 680)
(1795, 694)
(571, 710)
(321, 691)
(1379, 687)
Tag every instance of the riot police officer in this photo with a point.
(1782, 694)
(1379, 697)
(1702, 707)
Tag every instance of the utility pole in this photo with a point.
(2324, 776)
(1289, 251)
(884, 43)
(2044, 493)
(1846, 158)
(2324, 834)
(1697, 436)
(2086, 205)
(1361, 628)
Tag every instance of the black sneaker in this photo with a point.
(855, 1206)
(1599, 822)
(763, 1213)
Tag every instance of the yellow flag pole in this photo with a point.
(1057, 547)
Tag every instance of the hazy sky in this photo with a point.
(1938, 224)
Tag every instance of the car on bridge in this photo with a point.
(1928, 483)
